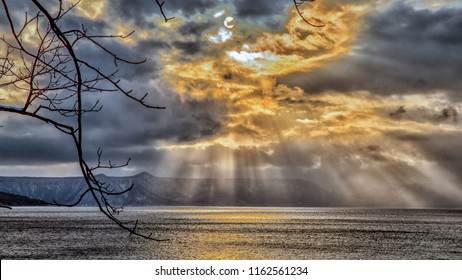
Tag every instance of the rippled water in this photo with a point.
(233, 233)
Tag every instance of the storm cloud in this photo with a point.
(401, 50)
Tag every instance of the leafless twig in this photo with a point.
(53, 79)
(298, 4)
(161, 4)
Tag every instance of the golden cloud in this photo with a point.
(91, 8)
(243, 71)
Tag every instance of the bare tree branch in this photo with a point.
(161, 4)
(298, 4)
(50, 76)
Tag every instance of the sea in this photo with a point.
(228, 233)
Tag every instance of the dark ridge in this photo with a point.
(8, 199)
(149, 190)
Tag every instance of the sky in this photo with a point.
(367, 105)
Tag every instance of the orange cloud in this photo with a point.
(243, 72)
(91, 8)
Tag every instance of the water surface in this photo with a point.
(233, 233)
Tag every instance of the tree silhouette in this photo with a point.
(52, 78)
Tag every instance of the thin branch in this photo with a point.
(62, 127)
(297, 4)
(116, 85)
(161, 4)
(71, 204)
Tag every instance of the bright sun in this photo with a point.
(229, 22)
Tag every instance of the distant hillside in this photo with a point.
(8, 199)
(154, 191)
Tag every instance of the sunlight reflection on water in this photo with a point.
(233, 233)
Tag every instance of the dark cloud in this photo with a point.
(259, 8)
(194, 28)
(399, 50)
(124, 124)
(147, 50)
(144, 50)
(263, 13)
(17, 10)
(123, 128)
(188, 48)
(438, 148)
(36, 150)
(92, 26)
(187, 8)
(134, 12)
(435, 114)
(140, 11)
(24, 141)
